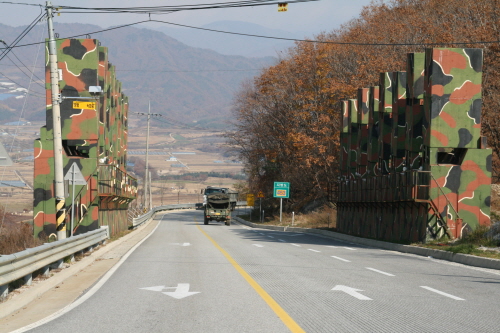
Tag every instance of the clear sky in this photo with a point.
(311, 17)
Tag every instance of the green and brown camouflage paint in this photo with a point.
(363, 106)
(398, 144)
(96, 140)
(373, 128)
(430, 126)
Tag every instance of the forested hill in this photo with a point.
(185, 83)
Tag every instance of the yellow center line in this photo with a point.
(285, 317)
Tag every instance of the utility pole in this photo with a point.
(56, 129)
(146, 174)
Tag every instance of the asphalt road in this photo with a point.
(190, 277)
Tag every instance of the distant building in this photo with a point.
(18, 123)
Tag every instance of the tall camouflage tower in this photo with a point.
(94, 138)
(434, 169)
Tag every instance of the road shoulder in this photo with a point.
(49, 296)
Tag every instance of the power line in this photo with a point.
(22, 71)
(79, 35)
(272, 37)
(21, 36)
(169, 9)
(21, 3)
(167, 120)
(20, 85)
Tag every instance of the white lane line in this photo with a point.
(260, 233)
(344, 247)
(381, 272)
(296, 245)
(443, 293)
(314, 250)
(258, 245)
(282, 240)
(270, 236)
(342, 259)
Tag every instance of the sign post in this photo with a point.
(260, 195)
(76, 178)
(281, 190)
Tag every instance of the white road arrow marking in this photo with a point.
(314, 250)
(297, 245)
(442, 293)
(349, 248)
(181, 291)
(342, 259)
(352, 292)
(258, 245)
(381, 272)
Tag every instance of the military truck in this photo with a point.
(233, 195)
(218, 208)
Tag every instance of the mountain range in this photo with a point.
(185, 83)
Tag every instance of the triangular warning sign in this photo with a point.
(75, 174)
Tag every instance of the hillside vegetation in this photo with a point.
(288, 118)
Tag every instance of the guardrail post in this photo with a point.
(28, 279)
(4, 291)
(45, 270)
(56, 265)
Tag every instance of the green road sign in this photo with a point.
(281, 190)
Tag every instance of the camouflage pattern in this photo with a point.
(96, 140)
(363, 105)
(373, 127)
(353, 134)
(385, 127)
(345, 143)
(415, 110)
(435, 169)
(459, 165)
(398, 144)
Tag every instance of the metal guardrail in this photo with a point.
(149, 215)
(22, 264)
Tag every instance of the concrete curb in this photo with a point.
(460, 258)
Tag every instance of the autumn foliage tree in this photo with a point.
(288, 118)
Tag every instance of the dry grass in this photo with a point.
(16, 237)
(323, 218)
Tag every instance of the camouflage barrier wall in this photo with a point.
(429, 171)
(95, 140)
